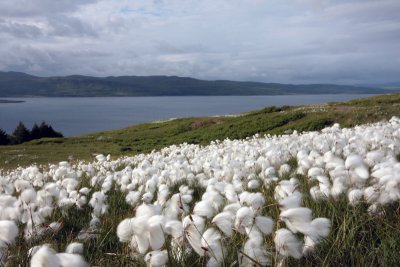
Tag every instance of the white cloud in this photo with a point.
(279, 41)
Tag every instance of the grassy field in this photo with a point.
(356, 238)
(146, 137)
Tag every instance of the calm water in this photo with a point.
(75, 116)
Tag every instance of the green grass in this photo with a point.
(144, 138)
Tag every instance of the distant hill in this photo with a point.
(14, 84)
(389, 86)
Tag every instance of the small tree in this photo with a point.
(35, 132)
(21, 134)
(4, 138)
(48, 131)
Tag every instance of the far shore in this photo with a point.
(4, 101)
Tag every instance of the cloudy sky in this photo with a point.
(291, 41)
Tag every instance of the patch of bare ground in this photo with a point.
(312, 108)
(202, 123)
(343, 108)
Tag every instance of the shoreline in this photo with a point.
(4, 101)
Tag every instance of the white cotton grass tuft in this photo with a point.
(256, 201)
(309, 246)
(147, 197)
(101, 158)
(297, 219)
(125, 230)
(214, 198)
(204, 208)
(156, 258)
(132, 198)
(211, 244)
(8, 232)
(28, 195)
(287, 244)
(354, 161)
(44, 256)
(285, 188)
(74, 248)
(284, 169)
(147, 210)
(355, 196)
(289, 202)
(193, 226)
(174, 228)
(244, 218)
(55, 227)
(156, 231)
(317, 194)
(8, 235)
(265, 224)
(254, 254)
(71, 260)
(140, 242)
(84, 190)
(253, 184)
(224, 221)
(371, 194)
(315, 171)
(232, 208)
(320, 228)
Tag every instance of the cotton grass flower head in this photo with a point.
(44, 257)
(125, 230)
(319, 229)
(355, 196)
(71, 260)
(244, 218)
(204, 208)
(297, 219)
(156, 231)
(74, 248)
(174, 228)
(193, 226)
(253, 253)
(212, 246)
(8, 232)
(287, 244)
(224, 221)
(156, 258)
(264, 224)
(291, 201)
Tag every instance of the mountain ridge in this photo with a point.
(19, 84)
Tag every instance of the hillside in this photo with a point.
(147, 137)
(16, 84)
(315, 198)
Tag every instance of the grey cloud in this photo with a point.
(25, 8)
(69, 26)
(280, 41)
(22, 30)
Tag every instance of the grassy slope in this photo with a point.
(146, 137)
(356, 239)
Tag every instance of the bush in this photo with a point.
(4, 138)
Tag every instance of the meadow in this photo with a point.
(283, 186)
(144, 138)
